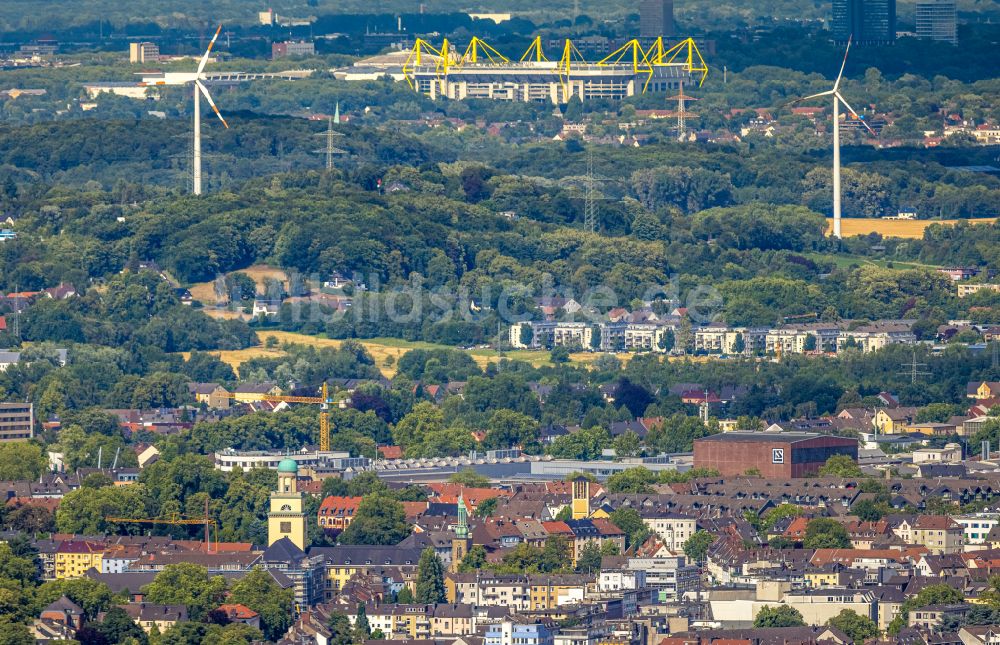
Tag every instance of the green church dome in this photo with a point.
(288, 465)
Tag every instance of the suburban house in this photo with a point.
(148, 615)
(266, 308)
(211, 394)
(894, 420)
(9, 358)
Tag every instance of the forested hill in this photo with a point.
(25, 14)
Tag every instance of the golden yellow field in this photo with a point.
(204, 292)
(392, 349)
(908, 228)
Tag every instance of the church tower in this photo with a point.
(287, 518)
(581, 498)
(462, 542)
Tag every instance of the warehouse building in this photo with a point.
(777, 455)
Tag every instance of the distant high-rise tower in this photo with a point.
(866, 22)
(936, 20)
(656, 18)
(143, 53)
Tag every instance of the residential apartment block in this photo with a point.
(17, 421)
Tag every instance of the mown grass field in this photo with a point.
(912, 229)
(845, 261)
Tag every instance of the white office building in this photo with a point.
(936, 20)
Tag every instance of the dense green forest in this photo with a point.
(24, 14)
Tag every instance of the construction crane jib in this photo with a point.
(323, 401)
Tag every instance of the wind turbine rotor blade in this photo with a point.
(208, 97)
(812, 96)
(204, 59)
(854, 113)
(836, 85)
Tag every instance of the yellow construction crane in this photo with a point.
(323, 401)
(175, 519)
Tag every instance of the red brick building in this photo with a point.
(776, 455)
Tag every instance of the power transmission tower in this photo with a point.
(914, 369)
(184, 160)
(330, 133)
(590, 206)
(590, 195)
(682, 113)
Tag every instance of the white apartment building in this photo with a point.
(976, 527)
(670, 575)
(621, 579)
(721, 340)
(673, 530)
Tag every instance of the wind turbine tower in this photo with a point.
(837, 100)
(195, 80)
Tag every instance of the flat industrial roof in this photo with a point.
(785, 437)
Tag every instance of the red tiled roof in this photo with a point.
(48, 503)
(797, 528)
(562, 487)
(557, 528)
(414, 509)
(334, 506)
(936, 522)
(391, 452)
(237, 611)
(447, 493)
(312, 487)
(217, 547)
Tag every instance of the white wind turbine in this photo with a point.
(195, 79)
(837, 100)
